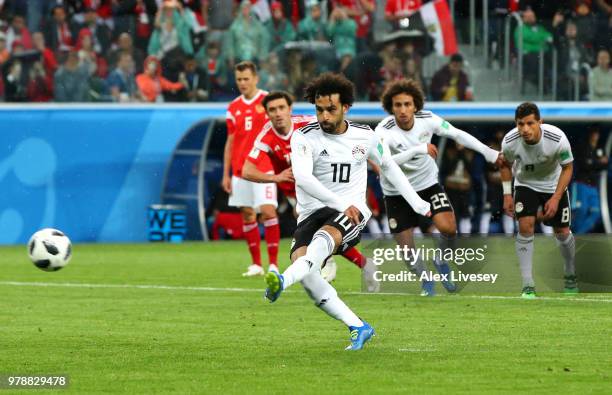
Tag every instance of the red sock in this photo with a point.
(272, 234)
(353, 255)
(253, 239)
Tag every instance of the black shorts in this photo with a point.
(351, 234)
(527, 202)
(402, 216)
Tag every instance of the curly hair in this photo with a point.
(409, 87)
(328, 84)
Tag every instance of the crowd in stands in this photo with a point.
(184, 50)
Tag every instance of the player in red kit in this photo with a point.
(272, 146)
(245, 117)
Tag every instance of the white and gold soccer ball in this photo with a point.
(50, 249)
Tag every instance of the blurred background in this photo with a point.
(110, 107)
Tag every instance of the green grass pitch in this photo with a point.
(220, 336)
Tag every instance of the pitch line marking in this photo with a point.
(595, 298)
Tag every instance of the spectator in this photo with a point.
(279, 28)
(18, 32)
(220, 14)
(247, 38)
(213, 62)
(151, 84)
(126, 44)
(535, 39)
(571, 56)
(398, 11)
(58, 31)
(48, 58)
(40, 84)
(85, 48)
(603, 39)
(451, 83)
(37, 9)
(312, 28)
(134, 17)
(58, 34)
(194, 81)
(171, 34)
(271, 77)
(121, 81)
(458, 183)
(600, 80)
(586, 23)
(361, 11)
(413, 72)
(392, 69)
(14, 89)
(100, 33)
(4, 52)
(590, 160)
(341, 30)
(71, 81)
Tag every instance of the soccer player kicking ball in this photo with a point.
(408, 132)
(540, 158)
(245, 118)
(273, 143)
(329, 162)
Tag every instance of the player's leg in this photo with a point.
(242, 197)
(265, 197)
(323, 244)
(366, 265)
(566, 243)
(526, 203)
(416, 264)
(326, 298)
(443, 217)
(250, 229)
(403, 220)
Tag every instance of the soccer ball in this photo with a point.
(50, 249)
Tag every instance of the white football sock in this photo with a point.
(567, 246)
(326, 298)
(524, 251)
(321, 246)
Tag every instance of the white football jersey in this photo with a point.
(421, 170)
(538, 166)
(339, 163)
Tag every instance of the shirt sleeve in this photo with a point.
(302, 166)
(565, 151)
(379, 154)
(445, 129)
(231, 122)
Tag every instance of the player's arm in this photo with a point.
(226, 182)
(567, 168)
(505, 175)
(302, 165)
(445, 129)
(407, 155)
(251, 172)
(390, 170)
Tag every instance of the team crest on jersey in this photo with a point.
(259, 108)
(359, 152)
(518, 207)
(542, 158)
(277, 148)
(424, 137)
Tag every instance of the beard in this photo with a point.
(329, 127)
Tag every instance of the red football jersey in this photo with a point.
(244, 118)
(276, 148)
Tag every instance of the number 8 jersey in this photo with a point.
(538, 166)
